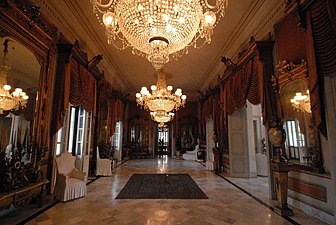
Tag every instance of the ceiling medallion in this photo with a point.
(162, 101)
(159, 29)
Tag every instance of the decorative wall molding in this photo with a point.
(316, 191)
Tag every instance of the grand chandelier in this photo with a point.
(159, 29)
(162, 117)
(9, 101)
(161, 102)
(301, 102)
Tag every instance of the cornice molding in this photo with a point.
(101, 48)
(252, 9)
(51, 11)
(246, 28)
(85, 33)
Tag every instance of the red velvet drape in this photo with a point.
(115, 113)
(76, 86)
(61, 95)
(82, 87)
(242, 86)
(322, 18)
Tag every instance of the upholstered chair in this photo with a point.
(103, 166)
(70, 182)
(191, 155)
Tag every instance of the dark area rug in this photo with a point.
(161, 186)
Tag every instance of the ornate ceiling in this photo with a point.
(195, 71)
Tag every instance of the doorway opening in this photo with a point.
(163, 145)
(248, 155)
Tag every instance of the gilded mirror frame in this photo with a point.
(294, 74)
(21, 20)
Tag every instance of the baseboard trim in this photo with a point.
(317, 213)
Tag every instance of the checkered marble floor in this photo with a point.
(226, 203)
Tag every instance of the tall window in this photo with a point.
(163, 136)
(61, 136)
(295, 140)
(132, 133)
(117, 135)
(75, 133)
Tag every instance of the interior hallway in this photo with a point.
(226, 204)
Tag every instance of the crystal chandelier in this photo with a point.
(162, 116)
(301, 102)
(159, 29)
(161, 102)
(9, 101)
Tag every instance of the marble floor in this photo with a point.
(226, 204)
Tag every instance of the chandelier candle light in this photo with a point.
(301, 102)
(9, 101)
(161, 102)
(159, 29)
(162, 117)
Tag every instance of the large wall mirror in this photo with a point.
(301, 146)
(27, 53)
(19, 69)
(297, 120)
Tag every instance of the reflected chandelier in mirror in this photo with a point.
(301, 102)
(9, 101)
(302, 145)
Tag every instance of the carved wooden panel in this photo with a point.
(22, 196)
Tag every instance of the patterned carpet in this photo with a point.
(161, 186)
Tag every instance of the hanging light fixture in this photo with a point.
(161, 101)
(9, 101)
(162, 116)
(301, 102)
(159, 29)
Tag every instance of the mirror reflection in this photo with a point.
(298, 123)
(19, 76)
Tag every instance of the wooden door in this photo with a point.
(238, 149)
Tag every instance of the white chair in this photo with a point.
(70, 182)
(103, 166)
(191, 155)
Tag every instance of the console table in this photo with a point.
(22, 196)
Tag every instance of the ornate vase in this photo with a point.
(277, 137)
